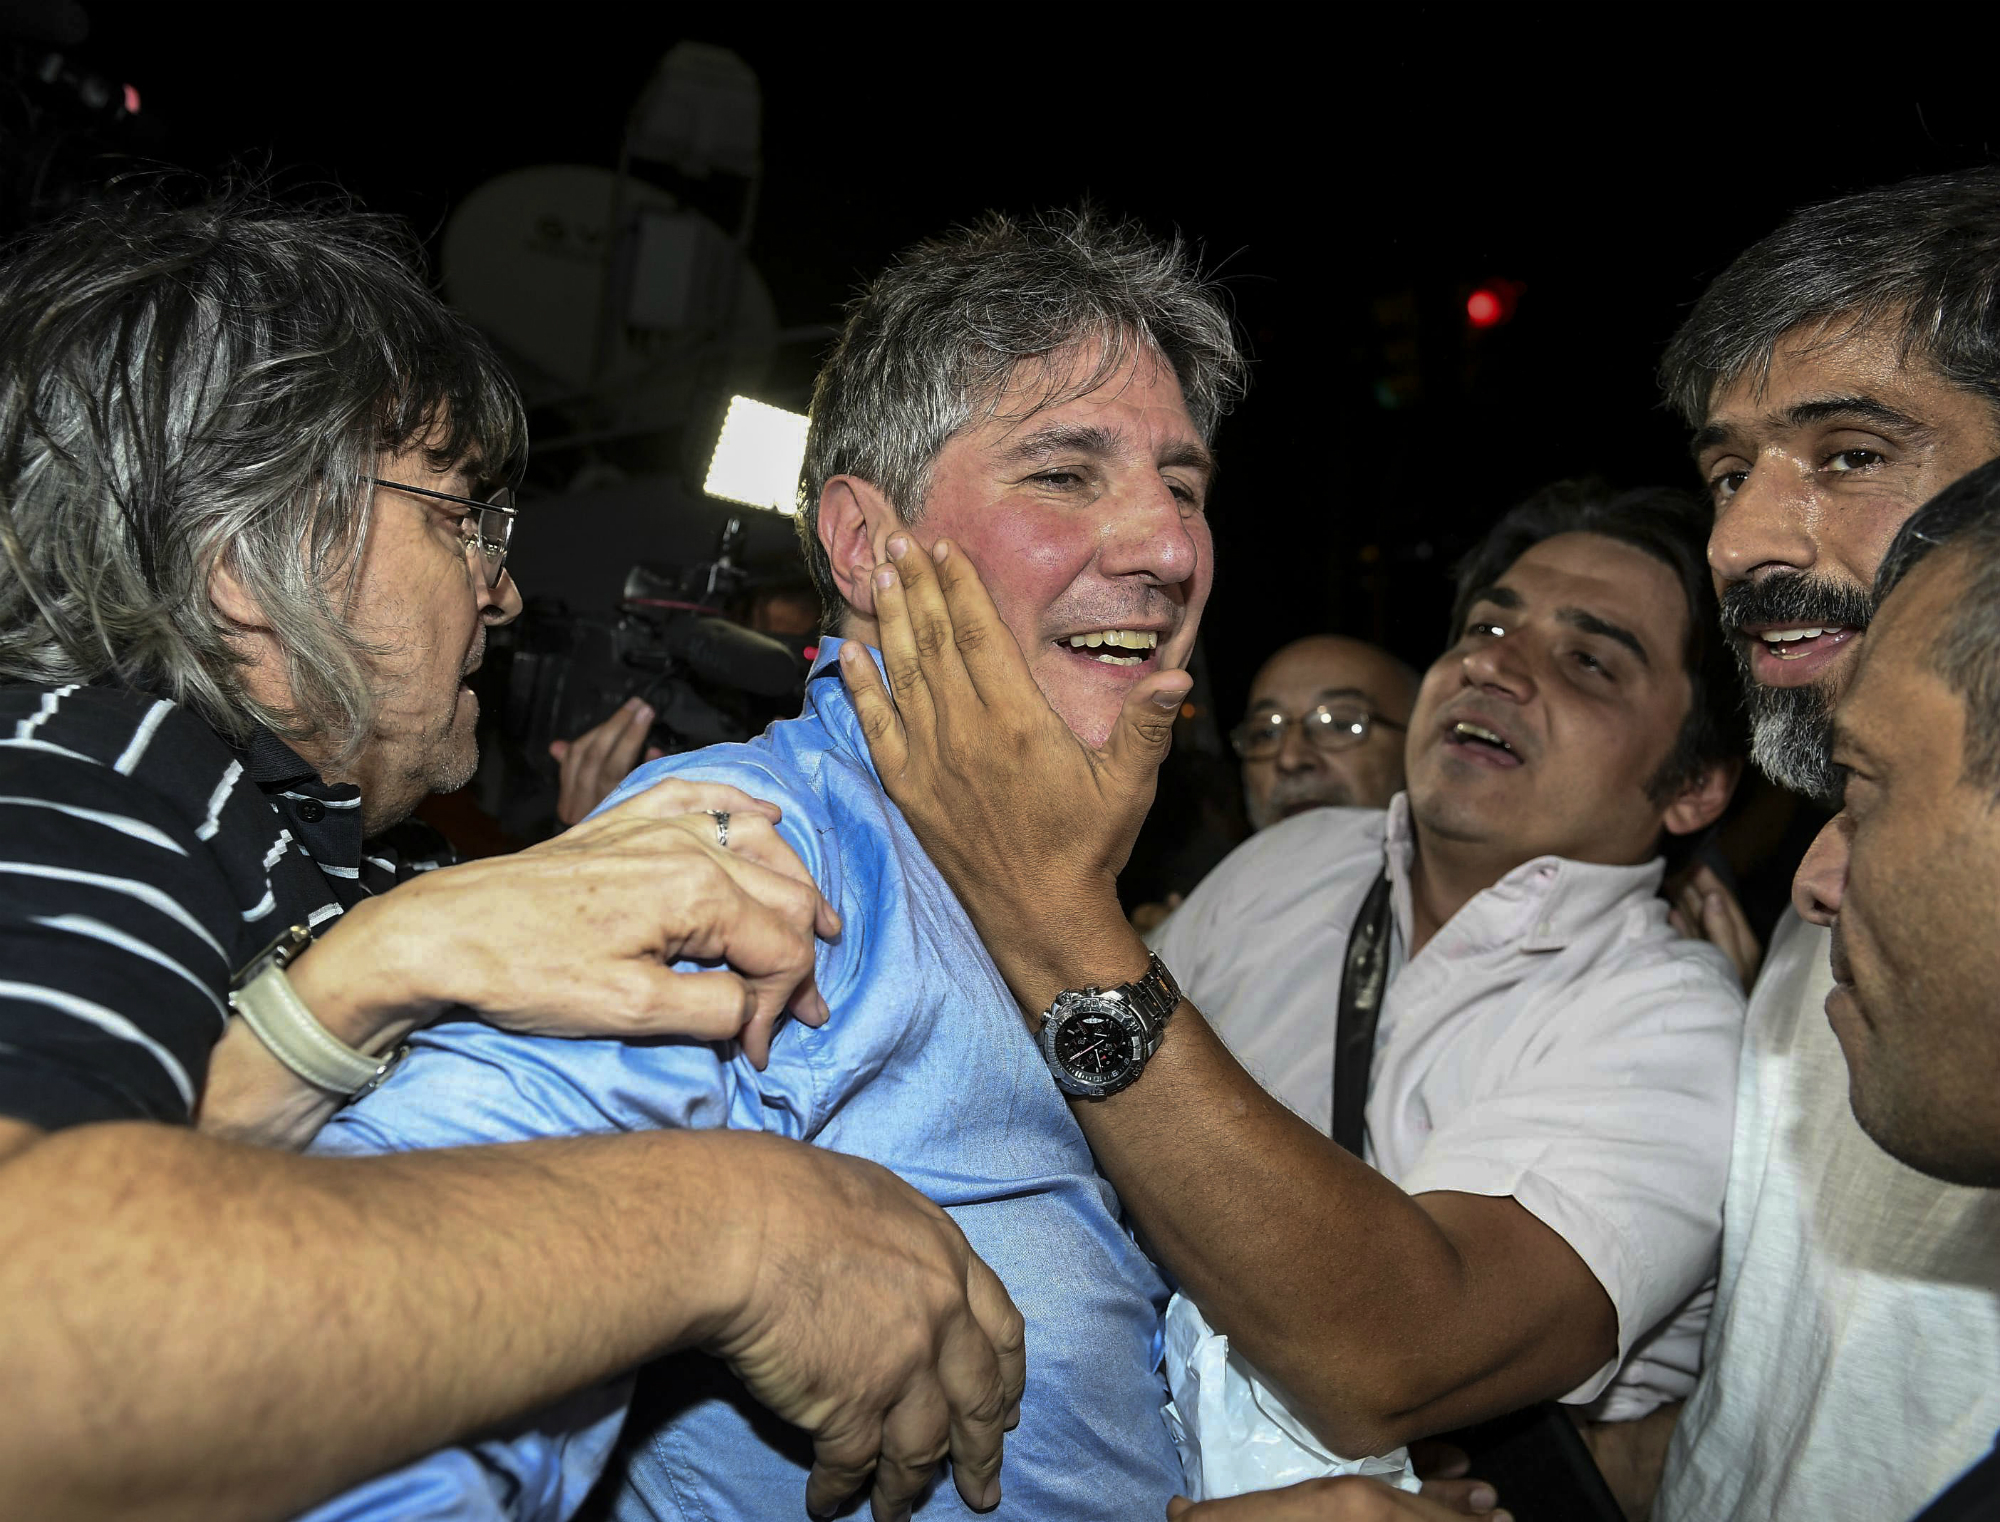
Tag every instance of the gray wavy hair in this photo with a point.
(931, 345)
(1923, 255)
(183, 388)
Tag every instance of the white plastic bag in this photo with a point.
(1235, 1434)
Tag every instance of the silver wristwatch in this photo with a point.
(1097, 1041)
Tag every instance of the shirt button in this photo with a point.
(312, 811)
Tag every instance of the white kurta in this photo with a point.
(1556, 1042)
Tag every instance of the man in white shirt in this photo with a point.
(1838, 375)
(1904, 878)
(1518, 1049)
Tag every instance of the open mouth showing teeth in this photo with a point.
(1114, 647)
(1464, 732)
(1791, 644)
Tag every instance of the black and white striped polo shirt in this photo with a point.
(143, 860)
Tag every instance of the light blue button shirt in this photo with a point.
(925, 1067)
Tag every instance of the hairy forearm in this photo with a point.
(1330, 1279)
(1382, 1316)
(191, 1329)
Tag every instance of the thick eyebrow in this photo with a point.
(1500, 597)
(1590, 623)
(1860, 408)
(1185, 454)
(1087, 438)
(1060, 438)
(1845, 740)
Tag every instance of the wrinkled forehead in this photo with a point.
(1842, 357)
(1087, 373)
(1608, 579)
(1316, 674)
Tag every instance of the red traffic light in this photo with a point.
(1492, 302)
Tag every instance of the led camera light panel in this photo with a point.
(758, 456)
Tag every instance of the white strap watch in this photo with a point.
(263, 997)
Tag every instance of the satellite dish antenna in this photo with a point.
(620, 306)
(525, 256)
(531, 258)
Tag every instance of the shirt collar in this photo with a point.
(323, 817)
(1546, 902)
(270, 762)
(827, 700)
(275, 766)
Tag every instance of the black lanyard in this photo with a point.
(1536, 1452)
(1362, 981)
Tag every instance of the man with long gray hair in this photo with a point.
(254, 514)
(1044, 393)
(1837, 375)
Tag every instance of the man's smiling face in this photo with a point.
(1812, 467)
(1086, 522)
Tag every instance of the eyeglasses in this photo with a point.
(485, 528)
(1329, 727)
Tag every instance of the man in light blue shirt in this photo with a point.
(1043, 396)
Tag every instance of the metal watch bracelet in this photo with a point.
(1155, 995)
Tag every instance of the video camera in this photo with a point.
(668, 641)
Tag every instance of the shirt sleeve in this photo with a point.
(1614, 1132)
(1189, 939)
(117, 929)
(539, 1470)
(465, 1083)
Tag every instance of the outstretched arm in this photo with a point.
(1381, 1315)
(193, 1329)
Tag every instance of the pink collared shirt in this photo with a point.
(1556, 1042)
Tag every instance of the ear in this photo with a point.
(245, 627)
(855, 521)
(1701, 802)
(229, 597)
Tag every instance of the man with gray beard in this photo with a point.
(1838, 375)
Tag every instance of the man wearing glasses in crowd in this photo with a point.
(1324, 729)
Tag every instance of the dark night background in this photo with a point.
(1352, 175)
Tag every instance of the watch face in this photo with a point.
(1095, 1046)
